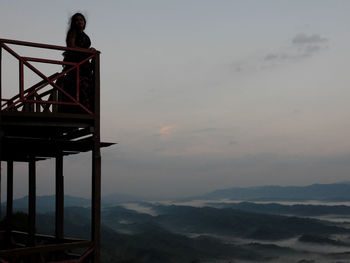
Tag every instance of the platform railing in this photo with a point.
(47, 93)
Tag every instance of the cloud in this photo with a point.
(272, 56)
(308, 45)
(165, 130)
(232, 142)
(303, 39)
(300, 46)
(205, 130)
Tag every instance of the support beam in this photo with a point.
(9, 201)
(59, 197)
(31, 203)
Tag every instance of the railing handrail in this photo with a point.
(24, 61)
(47, 46)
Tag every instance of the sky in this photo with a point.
(203, 95)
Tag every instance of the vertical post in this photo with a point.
(96, 166)
(9, 201)
(78, 85)
(21, 79)
(0, 123)
(0, 72)
(59, 197)
(0, 173)
(31, 204)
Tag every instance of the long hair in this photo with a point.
(72, 26)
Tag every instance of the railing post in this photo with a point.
(78, 85)
(21, 80)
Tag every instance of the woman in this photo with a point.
(76, 38)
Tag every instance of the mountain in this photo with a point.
(192, 234)
(46, 203)
(113, 199)
(183, 234)
(217, 221)
(323, 192)
(151, 244)
(231, 222)
(165, 238)
(279, 209)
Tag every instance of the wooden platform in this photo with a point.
(44, 135)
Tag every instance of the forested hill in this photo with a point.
(322, 192)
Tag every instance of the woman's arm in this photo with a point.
(71, 39)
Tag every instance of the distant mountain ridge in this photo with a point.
(46, 203)
(337, 192)
(113, 199)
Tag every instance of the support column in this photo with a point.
(0, 176)
(0, 72)
(59, 198)
(9, 202)
(96, 166)
(1, 132)
(96, 201)
(31, 203)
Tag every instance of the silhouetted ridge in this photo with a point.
(322, 192)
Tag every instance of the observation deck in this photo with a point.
(45, 117)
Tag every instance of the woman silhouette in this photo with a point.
(77, 38)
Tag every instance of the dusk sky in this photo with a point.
(204, 94)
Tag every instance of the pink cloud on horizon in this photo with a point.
(165, 130)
